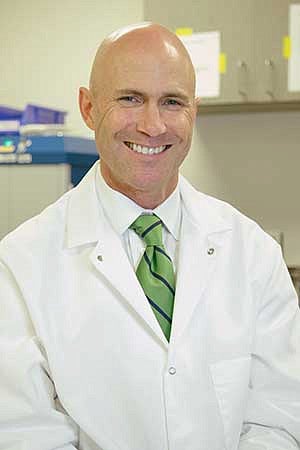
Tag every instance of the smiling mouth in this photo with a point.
(146, 150)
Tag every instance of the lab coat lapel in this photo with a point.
(86, 224)
(195, 268)
(203, 234)
(110, 259)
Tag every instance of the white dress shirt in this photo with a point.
(121, 212)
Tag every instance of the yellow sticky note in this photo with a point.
(286, 47)
(184, 31)
(222, 63)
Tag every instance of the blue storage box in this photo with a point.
(40, 114)
(7, 113)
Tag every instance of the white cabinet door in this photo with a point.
(271, 25)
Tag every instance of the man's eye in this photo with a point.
(173, 102)
(128, 99)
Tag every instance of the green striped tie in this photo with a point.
(155, 270)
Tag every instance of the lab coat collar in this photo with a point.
(203, 211)
(84, 214)
(86, 219)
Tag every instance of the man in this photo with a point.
(136, 312)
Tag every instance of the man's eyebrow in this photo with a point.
(128, 91)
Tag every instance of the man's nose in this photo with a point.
(150, 121)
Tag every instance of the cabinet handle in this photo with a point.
(270, 73)
(242, 78)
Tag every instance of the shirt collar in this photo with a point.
(121, 211)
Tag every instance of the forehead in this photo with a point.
(145, 64)
(149, 70)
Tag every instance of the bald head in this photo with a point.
(139, 39)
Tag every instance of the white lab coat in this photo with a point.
(84, 364)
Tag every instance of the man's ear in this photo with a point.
(86, 106)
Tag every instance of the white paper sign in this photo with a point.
(294, 60)
(204, 50)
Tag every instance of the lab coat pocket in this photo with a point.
(231, 380)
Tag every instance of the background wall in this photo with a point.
(47, 47)
(250, 160)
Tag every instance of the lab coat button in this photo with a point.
(172, 370)
(211, 251)
(100, 258)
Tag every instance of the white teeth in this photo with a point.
(146, 150)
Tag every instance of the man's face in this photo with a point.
(144, 114)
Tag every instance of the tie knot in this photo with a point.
(149, 228)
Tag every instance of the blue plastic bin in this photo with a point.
(40, 114)
(7, 113)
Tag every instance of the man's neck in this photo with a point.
(146, 198)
